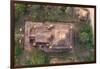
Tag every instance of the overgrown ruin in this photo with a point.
(49, 37)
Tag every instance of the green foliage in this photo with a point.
(39, 57)
(85, 35)
(28, 62)
(19, 11)
(35, 56)
(90, 58)
(38, 13)
(18, 50)
(44, 13)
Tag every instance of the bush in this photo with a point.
(19, 11)
(39, 57)
(85, 35)
(36, 56)
(18, 50)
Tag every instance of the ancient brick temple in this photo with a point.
(49, 37)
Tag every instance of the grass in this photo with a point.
(39, 57)
(18, 52)
(34, 57)
(85, 43)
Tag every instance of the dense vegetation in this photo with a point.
(19, 11)
(85, 35)
(18, 52)
(44, 12)
(34, 57)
